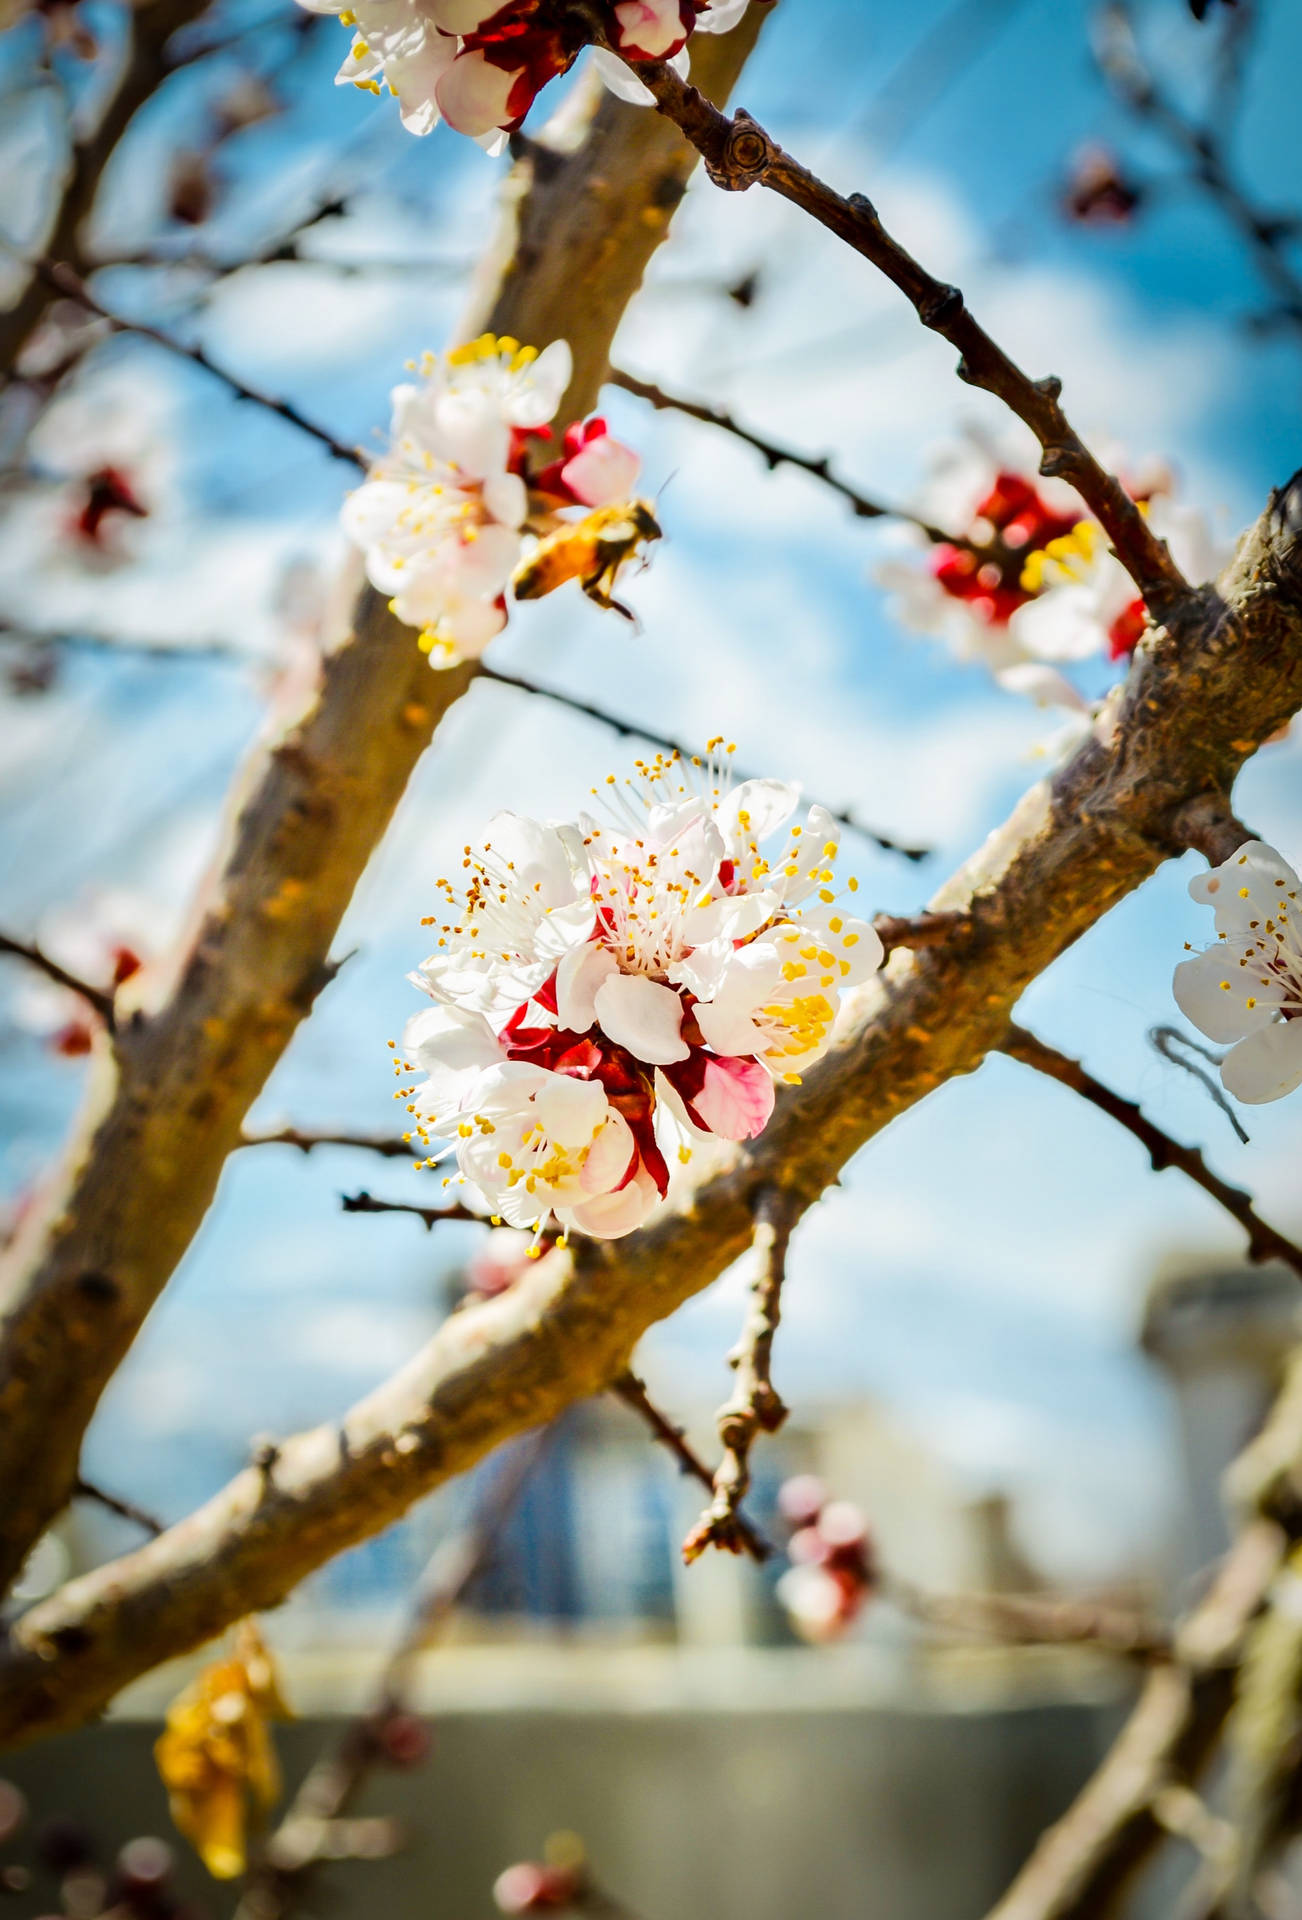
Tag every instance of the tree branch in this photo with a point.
(635, 730)
(57, 275)
(1191, 709)
(100, 1001)
(1264, 1241)
(738, 153)
(125, 1509)
(779, 456)
(920, 929)
(754, 1406)
(1203, 147)
(24, 635)
(1033, 1619)
(390, 1146)
(149, 27)
(432, 1216)
(331, 1786)
(137, 1179)
(633, 1393)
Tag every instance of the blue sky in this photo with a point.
(988, 1256)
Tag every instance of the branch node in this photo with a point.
(941, 308)
(745, 157)
(1050, 386)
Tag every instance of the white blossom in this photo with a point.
(1246, 989)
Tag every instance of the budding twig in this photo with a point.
(636, 730)
(125, 1509)
(778, 456)
(739, 153)
(432, 1216)
(633, 1393)
(1264, 1242)
(391, 1146)
(754, 1405)
(63, 280)
(95, 997)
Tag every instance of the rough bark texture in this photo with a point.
(166, 1103)
(1196, 703)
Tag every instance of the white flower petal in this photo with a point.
(580, 973)
(1213, 991)
(1266, 1065)
(643, 1016)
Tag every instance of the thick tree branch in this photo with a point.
(635, 730)
(754, 1406)
(1264, 1242)
(160, 1119)
(777, 456)
(1193, 706)
(97, 998)
(59, 276)
(738, 153)
(633, 1393)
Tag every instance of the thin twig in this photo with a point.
(392, 1146)
(738, 153)
(1032, 1619)
(300, 1843)
(636, 730)
(432, 1216)
(63, 280)
(125, 1509)
(1167, 1040)
(19, 633)
(633, 1393)
(95, 997)
(754, 1405)
(779, 456)
(1203, 147)
(1264, 1242)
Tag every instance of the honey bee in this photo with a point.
(591, 552)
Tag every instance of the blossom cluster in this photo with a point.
(610, 994)
(1030, 585)
(442, 516)
(1245, 990)
(479, 64)
(831, 1574)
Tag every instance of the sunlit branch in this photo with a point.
(1264, 1241)
(920, 929)
(95, 997)
(738, 153)
(61, 278)
(754, 1405)
(636, 730)
(633, 1393)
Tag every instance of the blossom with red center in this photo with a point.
(612, 992)
(1033, 586)
(832, 1572)
(480, 64)
(1097, 192)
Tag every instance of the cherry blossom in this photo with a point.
(1032, 587)
(831, 1573)
(444, 514)
(1246, 989)
(480, 66)
(611, 992)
